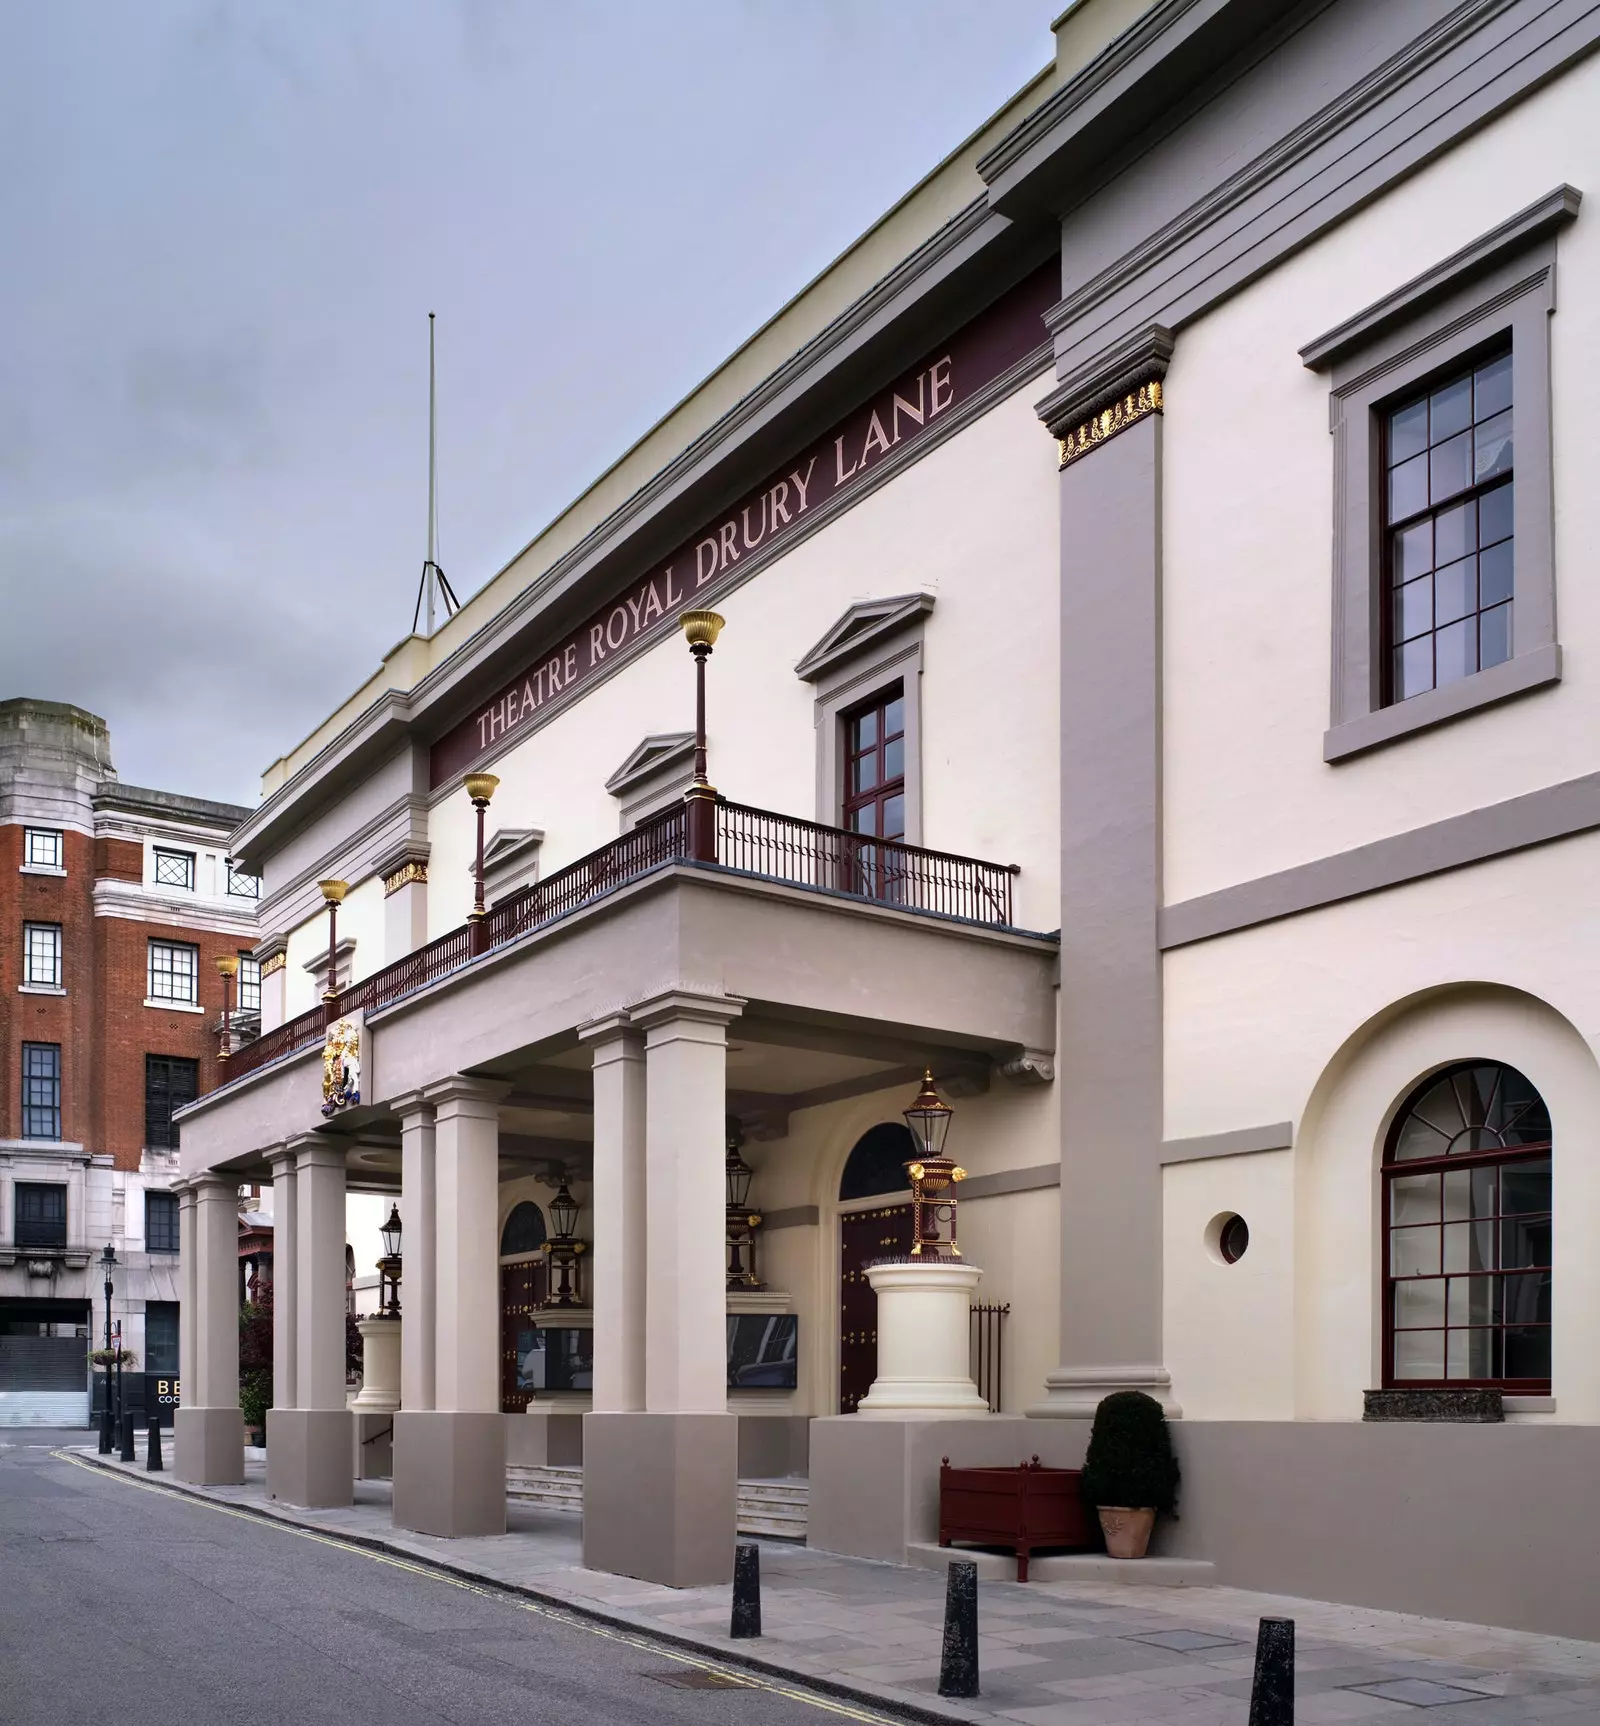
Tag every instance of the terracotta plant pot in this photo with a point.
(1127, 1531)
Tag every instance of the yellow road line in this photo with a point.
(573, 1620)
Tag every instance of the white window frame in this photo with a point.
(57, 849)
(191, 1001)
(42, 938)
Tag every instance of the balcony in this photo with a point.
(727, 837)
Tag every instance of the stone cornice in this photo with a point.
(1106, 383)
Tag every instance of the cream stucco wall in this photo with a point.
(1248, 508)
(1327, 1020)
(973, 522)
(361, 920)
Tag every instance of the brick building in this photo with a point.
(115, 904)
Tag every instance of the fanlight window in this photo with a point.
(1467, 1205)
(877, 1164)
(524, 1230)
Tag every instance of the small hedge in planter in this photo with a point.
(1130, 1466)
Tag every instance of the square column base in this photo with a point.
(875, 1483)
(450, 1472)
(209, 1446)
(659, 1496)
(545, 1437)
(308, 1456)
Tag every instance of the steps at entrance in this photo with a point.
(774, 1508)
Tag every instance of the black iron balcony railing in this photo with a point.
(754, 842)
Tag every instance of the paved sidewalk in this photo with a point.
(1052, 1653)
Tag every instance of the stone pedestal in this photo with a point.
(659, 1494)
(450, 1472)
(309, 1456)
(374, 1408)
(924, 1345)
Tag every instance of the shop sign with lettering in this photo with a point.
(908, 410)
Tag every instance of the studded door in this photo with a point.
(864, 1236)
(522, 1292)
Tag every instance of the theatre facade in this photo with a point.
(1117, 642)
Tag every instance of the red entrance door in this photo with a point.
(864, 1236)
(522, 1292)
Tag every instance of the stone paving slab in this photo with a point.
(1051, 1653)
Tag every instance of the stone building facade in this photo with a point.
(115, 903)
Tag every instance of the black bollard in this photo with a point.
(746, 1590)
(130, 1451)
(152, 1455)
(958, 1666)
(1272, 1688)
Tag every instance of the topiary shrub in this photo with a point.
(1130, 1460)
(255, 1398)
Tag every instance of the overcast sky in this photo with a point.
(222, 228)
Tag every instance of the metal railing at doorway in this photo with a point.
(988, 1351)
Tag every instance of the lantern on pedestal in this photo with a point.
(389, 1266)
(933, 1176)
(565, 1251)
(742, 1222)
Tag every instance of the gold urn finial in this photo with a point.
(481, 786)
(701, 628)
(227, 965)
(334, 891)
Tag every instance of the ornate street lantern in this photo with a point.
(389, 1266)
(565, 1251)
(742, 1222)
(480, 788)
(933, 1176)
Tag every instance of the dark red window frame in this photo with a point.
(874, 765)
(1482, 1118)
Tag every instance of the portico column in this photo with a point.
(210, 1428)
(309, 1454)
(419, 1221)
(450, 1461)
(188, 1290)
(285, 1284)
(617, 1272)
(1107, 415)
(660, 1486)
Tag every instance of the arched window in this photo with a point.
(1467, 1233)
(524, 1230)
(878, 1162)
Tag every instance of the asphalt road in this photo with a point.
(124, 1603)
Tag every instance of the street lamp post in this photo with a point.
(480, 788)
(701, 629)
(389, 1266)
(108, 1259)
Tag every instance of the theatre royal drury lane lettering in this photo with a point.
(968, 361)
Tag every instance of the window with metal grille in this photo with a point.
(41, 1214)
(161, 1335)
(41, 1090)
(43, 848)
(174, 972)
(174, 868)
(1467, 1200)
(1449, 515)
(41, 955)
(170, 1081)
(243, 886)
(161, 1222)
(249, 984)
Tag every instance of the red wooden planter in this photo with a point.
(1023, 1508)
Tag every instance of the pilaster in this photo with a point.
(1108, 420)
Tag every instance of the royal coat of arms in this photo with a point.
(341, 1066)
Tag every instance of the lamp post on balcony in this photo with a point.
(480, 788)
(227, 969)
(333, 892)
(701, 629)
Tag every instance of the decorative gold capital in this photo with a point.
(269, 967)
(1116, 417)
(403, 877)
